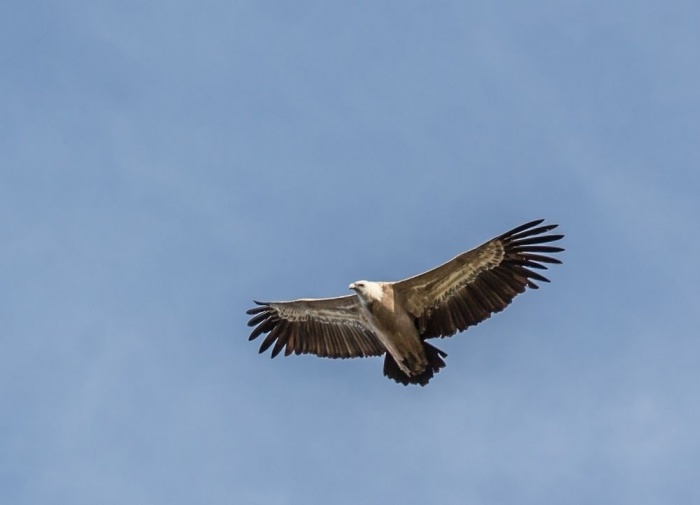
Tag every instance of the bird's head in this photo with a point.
(367, 290)
(357, 286)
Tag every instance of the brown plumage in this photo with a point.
(397, 317)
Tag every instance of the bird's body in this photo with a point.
(395, 318)
(393, 326)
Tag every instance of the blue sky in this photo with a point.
(164, 163)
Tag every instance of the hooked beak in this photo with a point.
(352, 286)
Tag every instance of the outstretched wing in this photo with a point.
(469, 288)
(326, 327)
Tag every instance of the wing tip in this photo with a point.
(262, 306)
(527, 229)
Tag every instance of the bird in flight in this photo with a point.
(395, 319)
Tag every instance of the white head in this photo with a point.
(367, 290)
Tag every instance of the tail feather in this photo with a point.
(435, 363)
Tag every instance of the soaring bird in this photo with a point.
(396, 319)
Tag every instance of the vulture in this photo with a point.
(396, 319)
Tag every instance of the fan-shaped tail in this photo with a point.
(435, 363)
